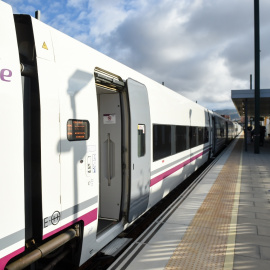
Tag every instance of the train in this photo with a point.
(88, 145)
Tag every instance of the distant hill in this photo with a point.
(232, 113)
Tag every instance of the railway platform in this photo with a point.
(223, 223)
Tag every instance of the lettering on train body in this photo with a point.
(5, 75)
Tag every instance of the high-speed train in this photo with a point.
(88, 145)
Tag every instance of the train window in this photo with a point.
(78, 130)
(141, 140)
(200, 135)
(181, 138)
(161, 141)
(193, 136)
(222, 132)
(206, 135)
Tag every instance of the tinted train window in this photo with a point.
(206, 135)
(222, 132)
(170, 140)
(200, 135)
(193, 137)
(181, 138)
(161, 141)
(78, 130)
(141, 140)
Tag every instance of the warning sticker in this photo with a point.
(109, 119)
(44, 46)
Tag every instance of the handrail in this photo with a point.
(109, 159)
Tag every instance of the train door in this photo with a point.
(110, 155)
(139, 149)
(108, 87)
(117, 126)
(214, 135)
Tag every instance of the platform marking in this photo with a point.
(229, 258)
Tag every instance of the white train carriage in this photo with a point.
(96, 144)
(220, 132)
(12, 228)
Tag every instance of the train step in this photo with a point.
(116, 246)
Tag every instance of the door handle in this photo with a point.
(109, 159)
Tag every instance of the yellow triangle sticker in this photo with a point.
(44, 46)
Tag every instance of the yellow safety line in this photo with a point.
(229, 257)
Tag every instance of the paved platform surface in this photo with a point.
(223, 224)
(252, 246)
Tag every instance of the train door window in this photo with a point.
(78, 130)
(161, 141)
(141, 140)
(200, 135)
(180, 138)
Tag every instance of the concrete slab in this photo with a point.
(246, 229)
(252, 251)
(244, 197)
(169, 233)
(253, 239)
(254, 221)
(264, 230)
(264, 204)
(265, 253)
(249, 263)
(263, 216)
(183, 216)
(254, 209)
(247, 214)
(263, 194)
(247, 189)
(246, 203)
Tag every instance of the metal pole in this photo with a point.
(250, 79)
(257, 75)
(246, 124)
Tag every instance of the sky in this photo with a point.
(201, 49)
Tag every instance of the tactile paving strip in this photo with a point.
(204, 244)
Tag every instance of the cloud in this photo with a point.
(105, 17)
(201, 49)
(168, 43)
(78, 4)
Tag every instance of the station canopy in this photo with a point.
(240, 96)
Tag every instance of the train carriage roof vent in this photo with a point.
(108, 80)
